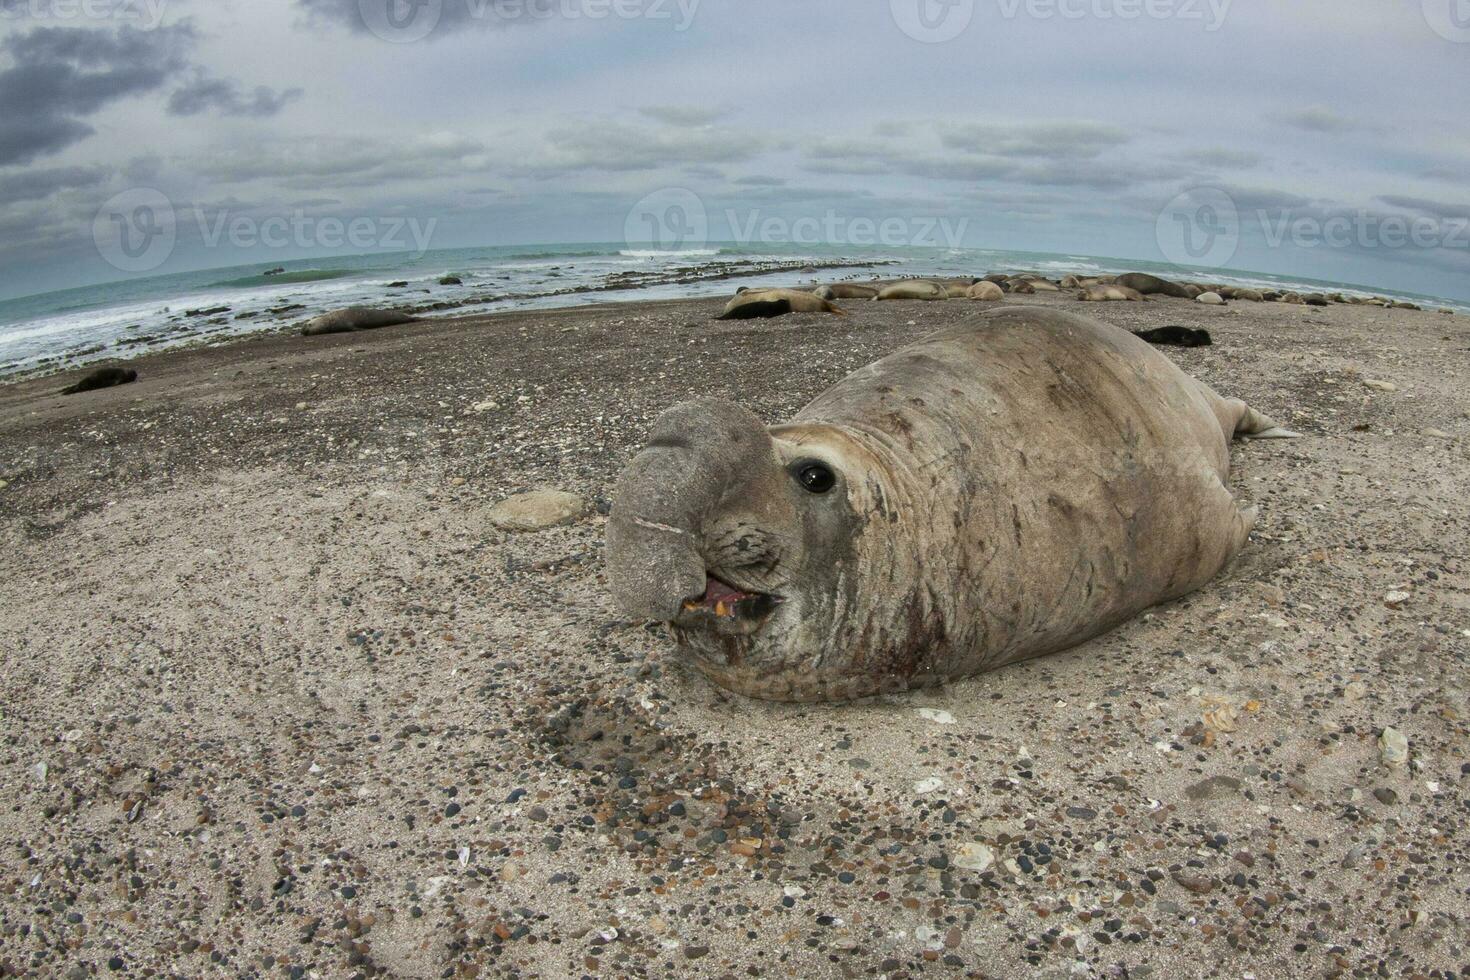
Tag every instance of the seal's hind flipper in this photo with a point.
(1254, 425)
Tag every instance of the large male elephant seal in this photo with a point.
(759, 304)
(352, 319)
(1004, 488)
(1149, 285)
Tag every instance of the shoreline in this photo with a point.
(188, 328)
(276, 688)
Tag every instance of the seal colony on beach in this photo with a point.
(1003, 489)
(1132, 287)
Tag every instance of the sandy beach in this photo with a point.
(278, 700)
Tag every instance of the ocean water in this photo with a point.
(120, 320)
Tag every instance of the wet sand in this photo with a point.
(278, 700)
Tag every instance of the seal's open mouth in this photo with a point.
(724, 602)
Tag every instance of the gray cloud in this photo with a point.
(37, 185)
(684, 115)
(1222, 158)
(1318, 119)
(1054, 141)
(60, 75)
(610, 146)
(1433, 209)
(204, 93)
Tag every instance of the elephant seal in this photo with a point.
(958, 288)
(352, 319)
(1034, 284)
(1003, 489)
(913, 289)
(985, 291)
(109, 377)
(1210, 299)
(1110, 294)
(846, 290)
(755, 304)
(1176, 337)
(1149, 285)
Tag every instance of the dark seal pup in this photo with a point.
(102, 378)
(1003, 489)
(1175, 337)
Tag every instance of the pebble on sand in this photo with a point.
(937, 716)
(974, 857)
(537, 510)
(1393, 748)
(1380, 385)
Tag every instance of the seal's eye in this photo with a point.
(815, 477)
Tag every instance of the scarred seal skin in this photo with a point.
(1003, 489)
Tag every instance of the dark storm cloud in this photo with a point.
(204, 93)
(37, 185)
(59, 75)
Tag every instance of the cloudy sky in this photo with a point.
(1320, 137)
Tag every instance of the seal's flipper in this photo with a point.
(1254, 425)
